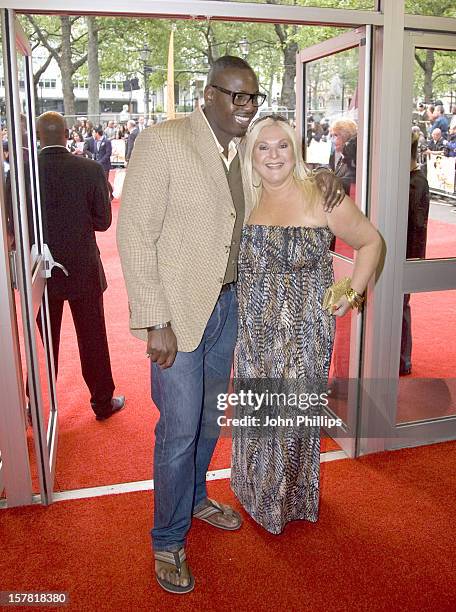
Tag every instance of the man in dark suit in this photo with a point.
(100, 149)
(75, 203)
(133, 132)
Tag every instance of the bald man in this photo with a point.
(75, 204)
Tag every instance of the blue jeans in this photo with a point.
(187, 431)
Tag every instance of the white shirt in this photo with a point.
(232, 147)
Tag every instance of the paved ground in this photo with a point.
(443, 209)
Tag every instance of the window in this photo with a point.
(48, 83)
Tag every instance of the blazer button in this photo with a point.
(233, 215)
(221, 280)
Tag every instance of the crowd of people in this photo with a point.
(436, 130)
(86, 139)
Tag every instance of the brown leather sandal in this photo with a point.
(213, 509)
(175, 558)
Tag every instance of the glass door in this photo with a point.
(27, 253)
(332, 117)
(425, 393)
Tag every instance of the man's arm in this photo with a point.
(331, 187)
(144, 202)
(100, 205)
(87, 149)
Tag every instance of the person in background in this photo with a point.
(420, 117)
(71, 218)
(440, 121)
(77, 144)
(450, 147)
(436, 143)
(5, 149)
(453, 117)
(101, 150)
(343, 158)
(141, 123)
(133, 132)
(418, 213)
(110, 130)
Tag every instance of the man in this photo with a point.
(437, 143)
(420, 117)
(450, 148)
(179, 228)
(133, 132)
(453, 118)
(141, 124)
(100, 149)
(110, 131)
(440, 121)
(75, 204)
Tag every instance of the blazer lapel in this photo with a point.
(210, 156)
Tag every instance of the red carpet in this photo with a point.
(384, 541)
(120, 450)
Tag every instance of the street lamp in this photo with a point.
(244, 46)
(153, 97)
(41, 96)
(144, 56)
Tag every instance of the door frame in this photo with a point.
(427, 275)
(30, 264)
(360, 38)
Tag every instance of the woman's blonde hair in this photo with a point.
(302, 174)
(346, 127)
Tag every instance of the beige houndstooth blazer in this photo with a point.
(175, 226)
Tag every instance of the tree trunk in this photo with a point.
(66, 69)
(288, 96)
(94, 71)
(428, 76)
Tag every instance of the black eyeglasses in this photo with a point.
(240, 98)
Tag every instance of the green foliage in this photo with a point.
(199, 43)
(437, 8)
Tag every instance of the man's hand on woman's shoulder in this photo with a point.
(331, 188)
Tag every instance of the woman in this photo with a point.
(77, 144)
(284, 333)
(343, 159)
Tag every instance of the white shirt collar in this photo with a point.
(53, 147)
(232, 147)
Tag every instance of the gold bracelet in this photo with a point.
(355, 299)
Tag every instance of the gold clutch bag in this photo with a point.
(335, 292)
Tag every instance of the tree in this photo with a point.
(426, 60)
(51, 26)
(64, 53)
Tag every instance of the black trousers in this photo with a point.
(89, 323)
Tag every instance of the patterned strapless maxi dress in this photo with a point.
(283, 333)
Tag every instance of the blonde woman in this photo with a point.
(343, 133)
(285, 267)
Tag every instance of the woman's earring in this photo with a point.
(256, 186)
